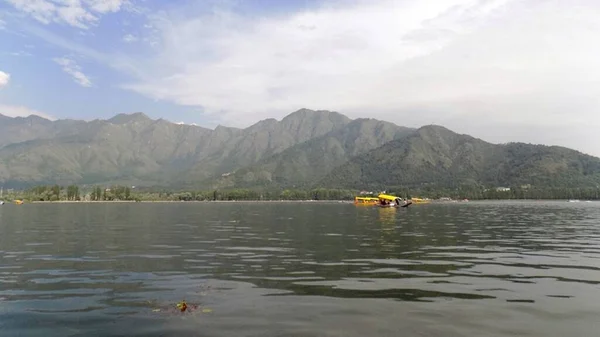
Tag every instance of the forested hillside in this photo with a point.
(305, 151)
(134, 149)
(436, 156)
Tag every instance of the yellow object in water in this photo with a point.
(387, 197)
(365, 200)
(420, 201)
(19, 202)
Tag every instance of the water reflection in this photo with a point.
(114, 263)
(387, 217)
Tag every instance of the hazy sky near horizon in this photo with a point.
(500, 70)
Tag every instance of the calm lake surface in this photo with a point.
(300, 269)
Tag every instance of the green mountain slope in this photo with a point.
(263, 139)
(138, 150)
(21, 129)
(303, 164)
(437, 156)
(305, 149)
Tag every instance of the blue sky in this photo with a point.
(501, 70)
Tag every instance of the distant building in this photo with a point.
(503, 189)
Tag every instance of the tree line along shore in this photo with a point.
(75, 193)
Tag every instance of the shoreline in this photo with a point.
(179, 201)
(275, 201)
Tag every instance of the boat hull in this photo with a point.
(406, 204)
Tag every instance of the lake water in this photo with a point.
(300, 269)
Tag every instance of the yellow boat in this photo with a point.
(420, 201)
(19, 202)
(366, 201)
(387, 200)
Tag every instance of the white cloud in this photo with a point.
(77, 13)
(21, 111)
(129, 38)
(120, 62)
(20, 53)
(485, 67)
(4, 79)
(459, 62)
(105, 6)
(333, 58)
(72, 68)
(2, 24)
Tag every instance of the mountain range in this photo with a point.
(305, 149)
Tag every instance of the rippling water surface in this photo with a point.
(306, 269)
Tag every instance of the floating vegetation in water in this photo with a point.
(182, 307)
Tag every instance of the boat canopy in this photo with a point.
(387, 197)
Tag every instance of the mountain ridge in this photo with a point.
(137, 148)
(305, 149)
(301, 163)
(436, 154)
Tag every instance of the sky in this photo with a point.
(500, 70)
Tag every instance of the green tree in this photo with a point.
(56, 191)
